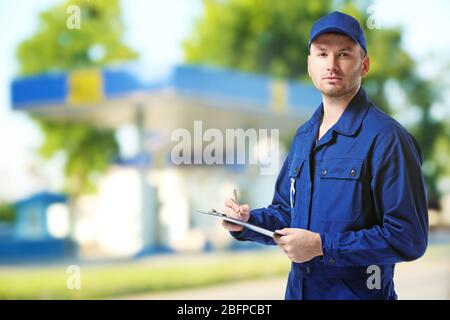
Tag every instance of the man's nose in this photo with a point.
(332, 63)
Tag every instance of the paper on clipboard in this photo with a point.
(242, 223)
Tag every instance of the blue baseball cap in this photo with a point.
(338, 22)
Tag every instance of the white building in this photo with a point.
(148, 201)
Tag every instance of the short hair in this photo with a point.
(363, 52)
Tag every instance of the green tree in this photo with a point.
(56, 47)
(271, 37)
(7, 213)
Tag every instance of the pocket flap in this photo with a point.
(340, 169)
(296, 167)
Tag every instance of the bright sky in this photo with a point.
(155, 29)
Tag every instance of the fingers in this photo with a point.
(231, 213)
(285, 231)
(231, 204)
(282, 241)
(234, 211)
(277, 240)
(245, 209)
(285, 247)
(285, 241)
(231, 226)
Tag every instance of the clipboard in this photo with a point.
(242, 223)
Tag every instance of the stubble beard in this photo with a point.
(339, 92)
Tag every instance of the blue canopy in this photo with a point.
(254, 92)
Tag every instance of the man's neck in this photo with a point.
(334, 107)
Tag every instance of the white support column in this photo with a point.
(149, 216)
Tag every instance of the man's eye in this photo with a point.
(343, 54)
(323, 54)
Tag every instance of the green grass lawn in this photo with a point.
(108, 281)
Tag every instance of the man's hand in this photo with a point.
(237, 212)
(299, 245)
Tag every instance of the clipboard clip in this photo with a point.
(213, 212)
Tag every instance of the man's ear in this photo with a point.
(365, 66)
(309, 69)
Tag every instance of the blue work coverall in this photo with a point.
(361, 188)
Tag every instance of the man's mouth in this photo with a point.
(333, 78)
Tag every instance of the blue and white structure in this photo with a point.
(165, 196)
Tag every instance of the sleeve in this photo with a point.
(400, 202)
(276, 216)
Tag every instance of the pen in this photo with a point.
(237, 202)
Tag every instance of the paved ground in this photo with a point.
(426, 278)
(271, 289)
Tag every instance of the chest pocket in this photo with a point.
(339, 189)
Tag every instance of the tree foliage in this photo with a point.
(271, 37)
(56, 47)
(7, 213)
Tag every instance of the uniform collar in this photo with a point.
(350, 120)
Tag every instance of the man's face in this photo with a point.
(336, 64)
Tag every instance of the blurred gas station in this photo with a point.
(175, 79)
(145, 203)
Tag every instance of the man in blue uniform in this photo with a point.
(350, 199)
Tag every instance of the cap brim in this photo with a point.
(331, 30)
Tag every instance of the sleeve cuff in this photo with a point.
(244, 234)
(330, 251)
